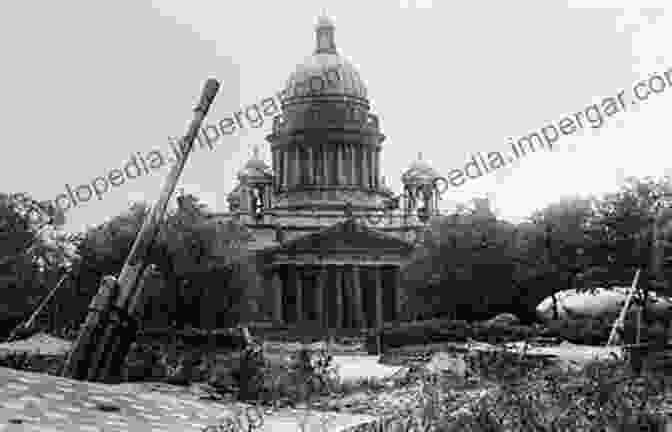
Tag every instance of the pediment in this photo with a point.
(347, 236)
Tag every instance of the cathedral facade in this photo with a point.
(330, 239)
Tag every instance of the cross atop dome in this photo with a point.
(324, 20)
(420, 171)
(324, 34)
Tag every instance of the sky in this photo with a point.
(87, 84)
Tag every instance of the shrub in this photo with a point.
(443, 330)
(595, 331)
(250, 375)
(32, 361)
(16, 360)
(603, 395)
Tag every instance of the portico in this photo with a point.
(352, 284)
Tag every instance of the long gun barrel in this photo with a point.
(110, 327)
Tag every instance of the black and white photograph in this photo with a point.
(322, 216)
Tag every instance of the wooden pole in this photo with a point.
(620, 321)
(109, 329)
(37, 311)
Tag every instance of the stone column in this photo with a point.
(327, 168)
(379, 175)
(365, 168)
(376, 168)
(285, 168)
(365, 179)
(339, 166)
(320, 155)
(277, 293)
(297, 165)
(278, 168)
(275, 169)
(347, 297)
(319, 297)
(348, 150)
(398, 293)
(339, 298)
(344, 166)
(311, 166)
(299, 294)
(372, 170)
(290, 166)
(355, 174)
(357, 297)
(379, 297)
(294, 161)
(346, 161)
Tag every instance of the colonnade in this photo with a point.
(336, 296)
(332, 164)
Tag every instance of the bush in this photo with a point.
(33, 362)
(595, 331)
(586, 331)
(250, 375)
(603, 395)
(17, 360)
(444, 330)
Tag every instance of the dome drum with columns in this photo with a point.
(314, 168)
(319, 260)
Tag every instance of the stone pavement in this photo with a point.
(40, 402)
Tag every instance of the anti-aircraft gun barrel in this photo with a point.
(110, 326)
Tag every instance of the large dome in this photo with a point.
(338, 76)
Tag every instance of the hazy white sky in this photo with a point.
(88, 83)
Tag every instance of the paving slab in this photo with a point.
(40, 402)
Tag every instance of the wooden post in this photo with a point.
(28, 324)
(620, 321)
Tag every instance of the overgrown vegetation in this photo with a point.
(603, 394)
(575, 243)
(474, 265)
(518, 392)
(521, 394)
(583, 331)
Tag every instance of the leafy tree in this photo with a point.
(475, 260)
(467, 270)
(199, 258)
(560, 239)
(33, 249)
(197, 254)
(620, 233)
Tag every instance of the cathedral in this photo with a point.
(330, 239)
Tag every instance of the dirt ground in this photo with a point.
(43, 402)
